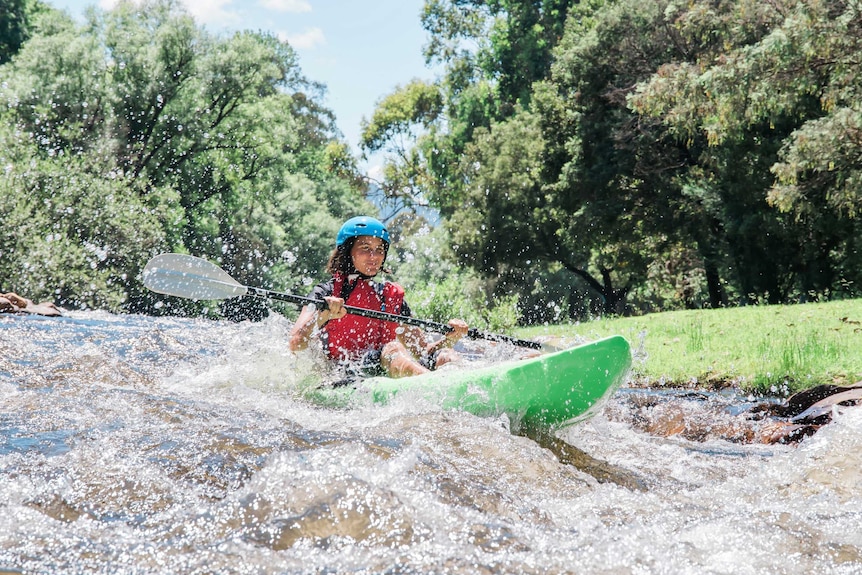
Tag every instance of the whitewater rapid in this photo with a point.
(140, 445)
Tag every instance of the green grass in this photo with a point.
(768, 349)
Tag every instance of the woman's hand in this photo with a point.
(459, 330)
(335, 310)
(311, 317)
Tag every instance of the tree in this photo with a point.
(492, 51)
(400, 120)
(15, 25)
(513, 218)
(780, 92)
(216, 144)
(507, 42)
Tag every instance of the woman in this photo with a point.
(379, 347)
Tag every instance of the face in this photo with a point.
(368, 254)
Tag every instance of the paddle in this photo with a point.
(195, 278)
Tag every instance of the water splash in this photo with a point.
(141, 445)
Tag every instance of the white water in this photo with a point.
(139, 445)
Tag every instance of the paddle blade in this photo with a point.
(190, 277)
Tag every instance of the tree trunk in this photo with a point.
(717, 295)
(613, 300)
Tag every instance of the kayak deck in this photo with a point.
(556, 389)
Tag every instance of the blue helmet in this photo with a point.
(362, 226)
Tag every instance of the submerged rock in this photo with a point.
(805, 412)
(705, 416)
(13, 303)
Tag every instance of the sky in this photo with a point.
(360, 49)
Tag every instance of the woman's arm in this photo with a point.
(459, 330)
(310, 318)
(414, 339)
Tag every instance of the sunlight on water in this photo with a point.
(141, 445)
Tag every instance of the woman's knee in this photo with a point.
(392, 349)
(447, 355)
(397, 360)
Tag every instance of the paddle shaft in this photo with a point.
(472, 333)
(191, 277)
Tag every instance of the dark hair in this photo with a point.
(340, 261)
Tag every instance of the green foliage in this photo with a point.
(819, 166)
(462, 296)
(503, 169)
(401, 117)
(750, 102)
(586, 157)
(509, 42)
(493, 51)
(76, 238)
(643, 146)
(676, 279)
(140, 133)
(450, 24)
(438, 289)
(17, 19)
(420, 254)
(416, 103)
(657, 133)
(13, 27)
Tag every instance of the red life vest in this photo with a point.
(351, 336)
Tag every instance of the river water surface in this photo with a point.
(138, 445)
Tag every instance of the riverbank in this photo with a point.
(775, 350)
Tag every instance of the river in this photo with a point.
(140, 445)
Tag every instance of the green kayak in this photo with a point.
(556, 389)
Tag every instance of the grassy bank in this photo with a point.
(770, 349)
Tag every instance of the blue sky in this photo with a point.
(360, 49)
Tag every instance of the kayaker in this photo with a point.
(377, 347)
